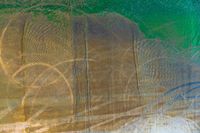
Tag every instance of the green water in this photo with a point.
(176, 21)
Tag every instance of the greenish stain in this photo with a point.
(172, 20)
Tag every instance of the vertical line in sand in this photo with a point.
(88, 95)
(22, 63)
(135, 59)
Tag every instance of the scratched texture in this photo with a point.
(99, 66)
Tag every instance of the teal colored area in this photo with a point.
(176, 21)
